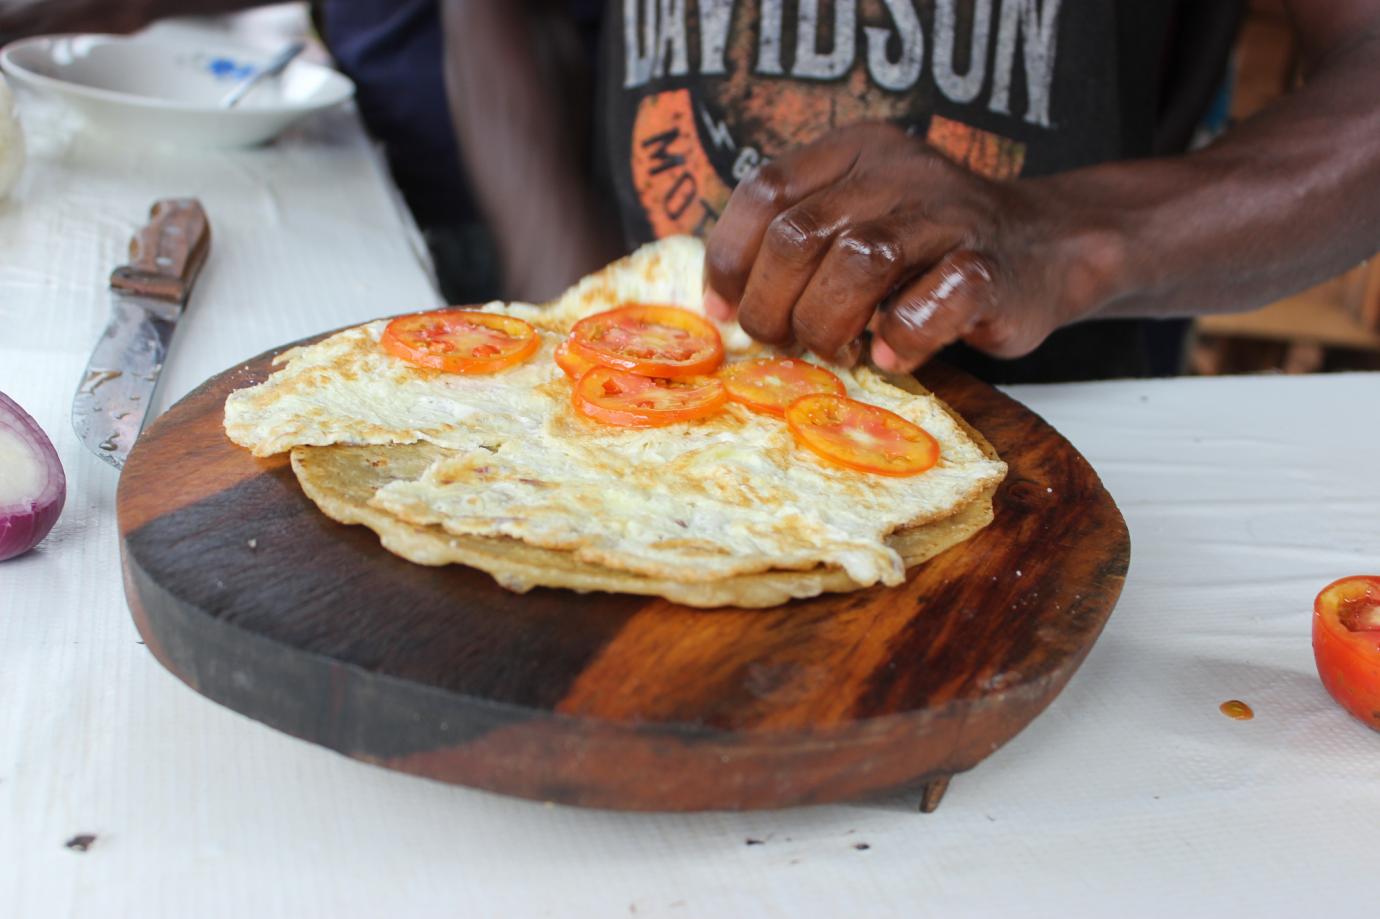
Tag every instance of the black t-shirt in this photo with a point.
(692, 100)
(696, 93)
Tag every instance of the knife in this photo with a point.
(148, 297)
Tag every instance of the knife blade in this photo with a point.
(148, 297)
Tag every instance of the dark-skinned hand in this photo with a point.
(869, 228)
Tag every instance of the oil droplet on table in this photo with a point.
(1235, 708)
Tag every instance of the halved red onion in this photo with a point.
(32, 484)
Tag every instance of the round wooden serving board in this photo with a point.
(250, 595)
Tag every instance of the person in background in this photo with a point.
(1042, 189)
(1006, 180)
(1003, 179)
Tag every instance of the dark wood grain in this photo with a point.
(245, 591)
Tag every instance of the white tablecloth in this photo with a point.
(1132, 795)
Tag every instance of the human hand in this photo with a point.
(869, 228)
(21, 18)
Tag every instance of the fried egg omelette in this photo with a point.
(503, 460)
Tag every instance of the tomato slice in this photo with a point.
(651, 341)
(460, 341)
(573, 364)
(630, 400)
(1346, 644)
(769, 384)
(861, 436)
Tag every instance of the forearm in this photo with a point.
(1281, 202)
(20, 18)
(519, 103)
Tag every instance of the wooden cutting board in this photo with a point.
(246, 592)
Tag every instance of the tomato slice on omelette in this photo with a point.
(460, 341)
(770, 384)
(633, 401)
(653, 341)
(861, 436)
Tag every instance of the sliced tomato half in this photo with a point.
(632, 401)
(860, 436)
(770, 384)
(460, 341)
(651, 341)
(1346, 644)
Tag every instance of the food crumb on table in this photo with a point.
(81, 842)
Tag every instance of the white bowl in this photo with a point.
(170, 92)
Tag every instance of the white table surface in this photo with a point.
(1132, 795)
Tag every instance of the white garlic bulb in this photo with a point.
(11, 142)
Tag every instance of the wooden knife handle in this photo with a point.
(166, 255)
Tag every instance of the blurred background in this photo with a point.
(1334, 326)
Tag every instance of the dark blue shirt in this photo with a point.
(393, 50)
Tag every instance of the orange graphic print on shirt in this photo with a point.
(677, 184)
(715, 88)
(681, 192)
(978, 151)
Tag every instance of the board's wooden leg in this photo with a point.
(933, 793)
